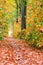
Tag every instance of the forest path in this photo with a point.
(18, 52)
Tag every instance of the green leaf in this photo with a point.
(41, 22)
(35, 19)
(1, 38)
(1, 8)
(29, 25)
(3, 16)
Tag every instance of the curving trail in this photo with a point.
(17, 52)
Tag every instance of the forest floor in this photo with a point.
(18, 52)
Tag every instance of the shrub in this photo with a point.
(1, 38)
(22, 34)
(35, 36)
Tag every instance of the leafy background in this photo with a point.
(34, 20)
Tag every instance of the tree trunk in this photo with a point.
(16, 11)
(23, 16)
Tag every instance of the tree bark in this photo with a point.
(16, 11)
(23, 16)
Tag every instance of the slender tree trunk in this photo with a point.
(16, 11)
(23, 16)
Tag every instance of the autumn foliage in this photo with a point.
(34, 21)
